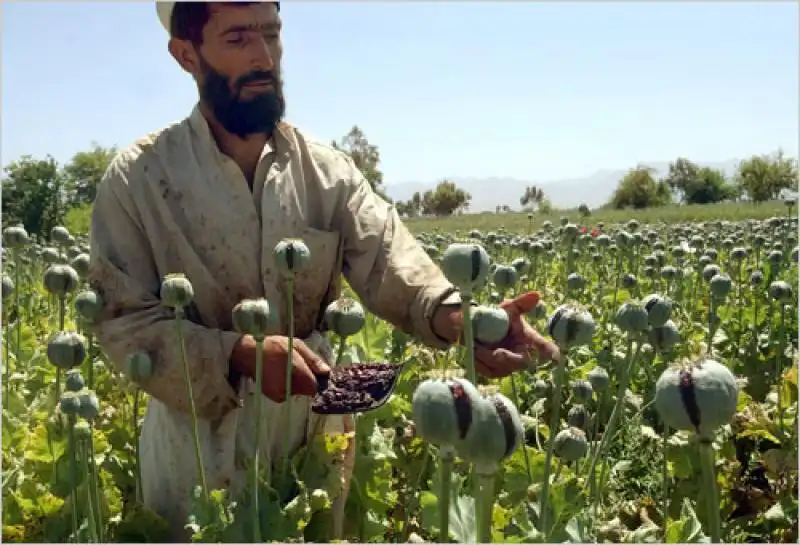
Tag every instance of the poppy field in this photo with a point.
(671, 416)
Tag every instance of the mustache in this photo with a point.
(259, 76)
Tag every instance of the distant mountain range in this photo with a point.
(593, 190)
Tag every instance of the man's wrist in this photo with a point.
(448, 319)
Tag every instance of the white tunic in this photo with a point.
(172, 202)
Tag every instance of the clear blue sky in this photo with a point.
(537, 91)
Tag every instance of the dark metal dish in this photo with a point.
(355, 388)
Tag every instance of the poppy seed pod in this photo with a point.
(494, 435)
(665, 337)
(8, 287)
(569, 233)
(81, 264)
(520, 264)
(466, 266)
(51, 255)
(575, 282)
(291, 256)
(631, 317)
(709, 272)
(345, 317)
(697, 396)
(571, 325)
(60, 279)
(629, 281)
(739, 253)
(505, 276)
(60, 235)
(599, 379)
(582, 390)
(70, 403)
(668, 272)
(780, 291)
(442, 410)
(623, 239)
(66, 350)
(89, 405)
(253, 317)
(658, 309)
(570, 444)
(15, 237)
(578, 417)
(138, 366)
(89, 305)
(74, 380)
(489, 324)
(775, 257)
(720, 286)
(176, 291)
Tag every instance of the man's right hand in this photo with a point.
(306, 365)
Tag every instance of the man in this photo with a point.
(210, 197)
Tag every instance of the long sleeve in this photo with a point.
(384, 263)
(123, 270)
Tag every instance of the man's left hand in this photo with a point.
(514, 352)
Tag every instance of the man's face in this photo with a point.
(238, 67)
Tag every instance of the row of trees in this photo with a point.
(40, 193)
(759, 178)
(444, 200)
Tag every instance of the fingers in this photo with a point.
(306, 366)
(304, 382)
(521, 305)
(545, 349)
(499, 362)
(314, 362)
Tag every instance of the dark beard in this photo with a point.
(259, 115)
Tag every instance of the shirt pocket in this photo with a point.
(317, 284)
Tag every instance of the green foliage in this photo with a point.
(366, 157)
(34, 194)
(85, 171)
(765, 177)
(445, 200)
(697, 185)
(639, 189)
(394, 495)
(40, 194)
(532, 195)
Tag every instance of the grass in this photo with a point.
(79, 219)
(518, 222)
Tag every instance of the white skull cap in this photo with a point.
(164, 10)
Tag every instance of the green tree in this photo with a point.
(366, 156)
(693, 184)
(34, 194)
(532, 195)
(85, 171)
(765, 177)
(445, 200)
(639, 189)
(710, 186)
(682, 174)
